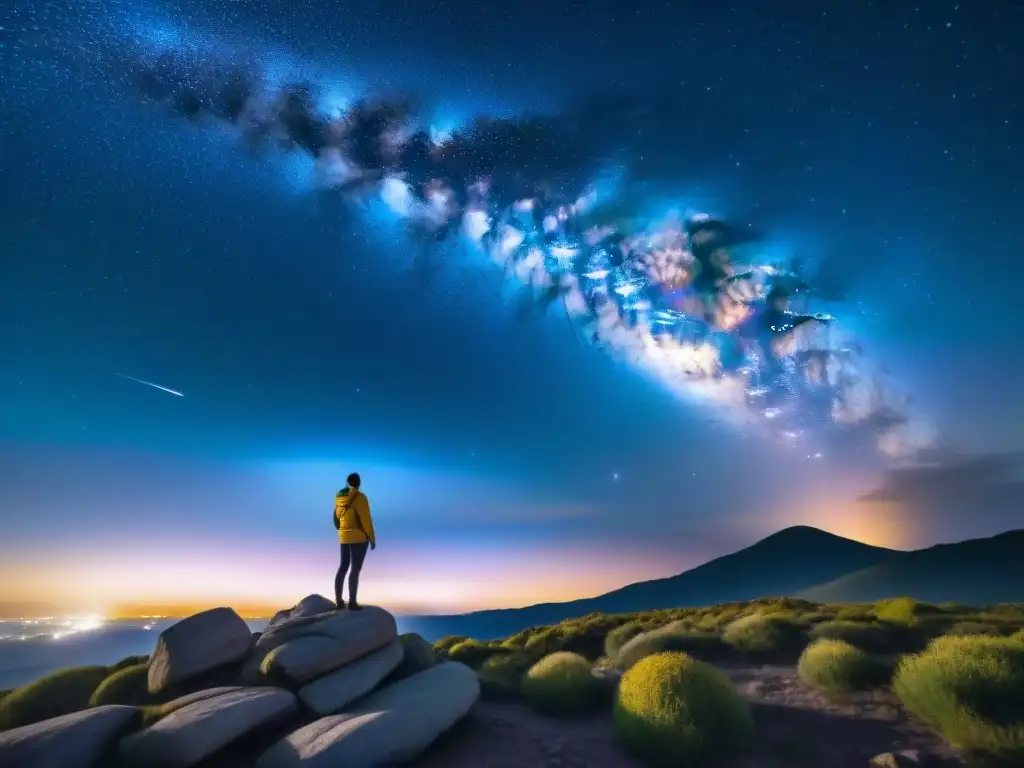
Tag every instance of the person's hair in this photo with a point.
(354, 480)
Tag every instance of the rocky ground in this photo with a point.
(796, 728)
(321, 688)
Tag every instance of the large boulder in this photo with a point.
(393, 726)
(196, 731)
(329, 643)
(330, 694)
(198, 644)
(79, 740)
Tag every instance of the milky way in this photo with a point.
(671, 294)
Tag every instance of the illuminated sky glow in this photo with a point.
(507, 463)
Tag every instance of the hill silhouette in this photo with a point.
(800, 562)
(974, 572)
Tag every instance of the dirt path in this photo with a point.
(796, 728)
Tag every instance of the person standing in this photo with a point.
(356, 535)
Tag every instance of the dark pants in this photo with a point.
(351, 555)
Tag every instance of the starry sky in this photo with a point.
(506, 463)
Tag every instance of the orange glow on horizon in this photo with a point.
(136, 583)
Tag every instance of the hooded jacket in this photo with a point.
(352, 513)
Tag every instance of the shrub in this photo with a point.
(129, 661)
(618, 637)
(128, 685)
(667, 639)
(972, 690)
(586, 640)
(854, 613)
(836, 667)
(764, 636)
(813, 618)
(417, 656)
(902, 610)
(501, 676)
(974, 628)
(544, 642)
(59, 693)
(471, 652)
(860, 634)
(714, 621)
(561, 684)
(445, 643)
(674, 710)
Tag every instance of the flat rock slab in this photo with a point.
(392, 726)
(331, 693)
(78, 740)
(196, 645)
(194, 732)
(329, 643)
(209, 693)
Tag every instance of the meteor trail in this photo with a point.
(150, 384)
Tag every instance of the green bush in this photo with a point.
(59, 693)
(764, 636)
(471, 652)
(128, 685)
(501, 676)
(974, 628)
(866, 636)
(716, 620)
(855, 613)
(615, 640)
(586, 635)
(544, 642)
(813, 618)
(972, 690)
(129, 661)
(694, 642)
(561, 684)
(674, 710)
(902, 610)
(445, 643)
(835, 667)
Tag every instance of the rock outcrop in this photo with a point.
(391, 727)
(315, 648)
(332, 692)
(79, 740)
(343, 665)
(198, 730)
(196, 645)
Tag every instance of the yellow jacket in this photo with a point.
(352, 512)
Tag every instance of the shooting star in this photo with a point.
(150, 384)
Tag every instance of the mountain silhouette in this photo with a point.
(800, 562)
(976, 572)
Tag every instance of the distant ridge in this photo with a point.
(800, 561)
(974, 572)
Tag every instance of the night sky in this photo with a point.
(506, 463)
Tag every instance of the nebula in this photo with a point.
(683, 297)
